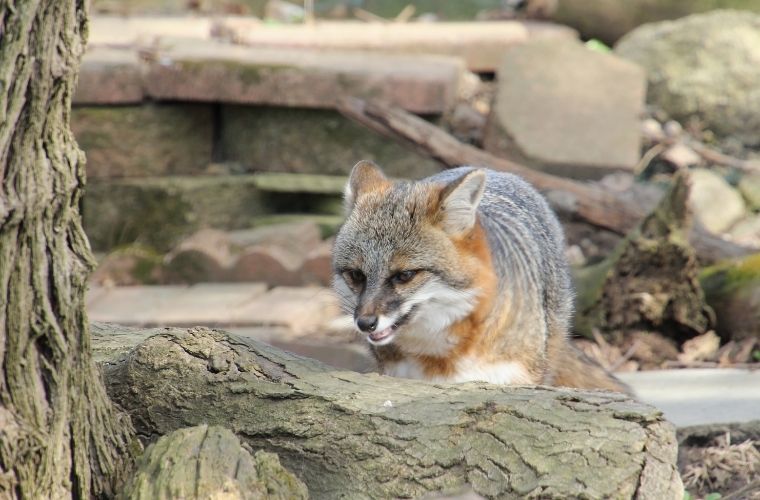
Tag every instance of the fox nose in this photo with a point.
(367, 323)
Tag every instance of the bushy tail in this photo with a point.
(570, 367)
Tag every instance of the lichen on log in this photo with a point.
(732, 288)
(351, 435)
(209, 462)
(650, 282)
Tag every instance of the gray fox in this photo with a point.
(460, 277)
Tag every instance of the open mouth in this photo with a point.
(382, 337)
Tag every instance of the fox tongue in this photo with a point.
(380, 335)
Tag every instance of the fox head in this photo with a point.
(410, 258)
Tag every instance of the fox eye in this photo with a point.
(354, 277)
(403, 277)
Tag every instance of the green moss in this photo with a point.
(249, 73)
(726, 277)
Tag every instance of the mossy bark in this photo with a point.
(732, 288)
(209, 462)
(650, 282)
(351, 435)
(60, 436)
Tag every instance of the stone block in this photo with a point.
(304, 235)
(568, 110)
(109, 76)
(275, 265)
(311, 141)
(328, 224)
(301, 183)
(160, 211)
(140, 141)
(203, 70)
(715, 203)
(317, 266)
(206, 255)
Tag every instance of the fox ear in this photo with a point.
(459, 202)
(365, 177)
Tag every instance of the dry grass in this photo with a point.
(731, 469)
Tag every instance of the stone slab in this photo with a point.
(137, 141)
(700, 396)
(123, 31)
(189, 69)
(208, 304)
(568, 110)
(132, 305)
(311, 141)
(301, 183)
(301, 310)
(481, 45)
(160, 211)
(109, 76)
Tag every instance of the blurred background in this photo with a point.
(218, 142)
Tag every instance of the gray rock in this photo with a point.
(705, 66)
(747, 231)
(750, 189)
(715, 203)
(565, 109)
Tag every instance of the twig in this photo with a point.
(752, 486)
(647, 157)
(367, 16)
(406, 14)
(723, 159)
(625, 357)
(308, 8)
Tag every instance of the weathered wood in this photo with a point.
(588, 202)
(732, 288)
(650, 281)
(209, 462)
(60, 436)
(349, 435)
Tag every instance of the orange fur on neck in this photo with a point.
(470, 331)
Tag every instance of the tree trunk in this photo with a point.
(59, 434)
(349, 435)
(585, 201)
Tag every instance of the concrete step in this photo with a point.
(700, 396)
(295, 310)
(208, 70)
(480, 44)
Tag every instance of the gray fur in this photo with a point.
(526, 243)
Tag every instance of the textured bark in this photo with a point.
(350, 435)
(59, 434)
(584, 201)
(651, 280)
(209, 462)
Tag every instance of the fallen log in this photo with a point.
(351, 435)
(586, 201)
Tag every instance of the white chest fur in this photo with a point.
(467, 370)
